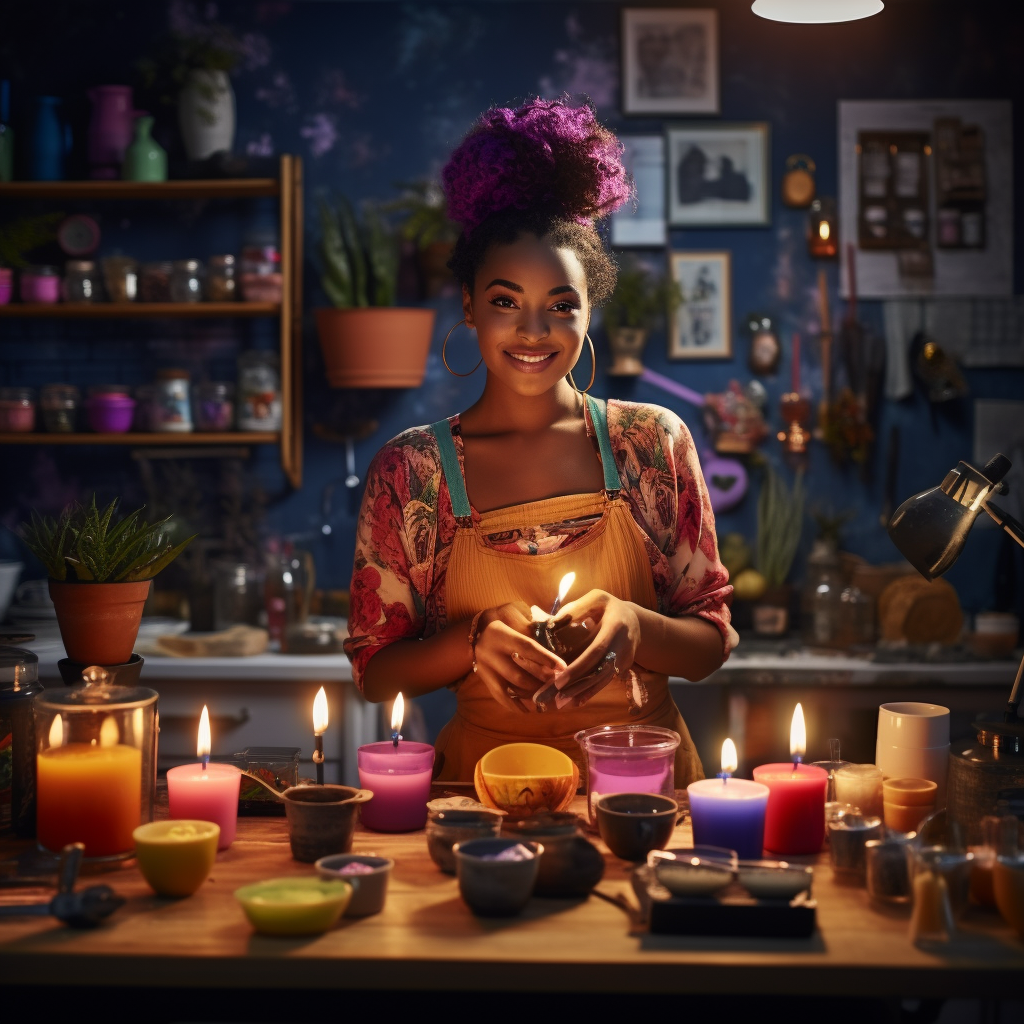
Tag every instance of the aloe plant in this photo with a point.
(359, 259)
(780, 521)
(87, 544)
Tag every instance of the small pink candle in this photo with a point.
(206, 792)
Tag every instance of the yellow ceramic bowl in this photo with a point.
(526, 779)
(176, 856)
(294, 906)
(1008, 884)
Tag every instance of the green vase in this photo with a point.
(144, 159)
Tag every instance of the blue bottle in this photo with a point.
(51, 141)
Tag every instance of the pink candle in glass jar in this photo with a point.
(17, 410)
(399, 777)
(40, 284)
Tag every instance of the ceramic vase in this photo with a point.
(110, 129)
(627, 345)
(50, 141)
(206, 113)
(145, 159)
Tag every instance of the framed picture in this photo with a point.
(643, 224)
(718, 175)
(669, 61)
(701, 326)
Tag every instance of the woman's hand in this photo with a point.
(511, 663)
(612, 650)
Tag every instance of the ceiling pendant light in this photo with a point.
(816, 12)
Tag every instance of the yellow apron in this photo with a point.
(611, 557)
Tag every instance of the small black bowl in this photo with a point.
(126, 674)
(633, 824)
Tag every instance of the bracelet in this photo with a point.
(474, 628)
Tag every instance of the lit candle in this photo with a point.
(319, 728)
(729, 812)
(563, 589)
(88, 793)
(795, 818)
(399, 775)
(204, 791)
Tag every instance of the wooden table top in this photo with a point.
(427, 939)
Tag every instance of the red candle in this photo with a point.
(794, 821)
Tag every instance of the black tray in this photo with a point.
(731, 912)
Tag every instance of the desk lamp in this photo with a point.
(930, 529)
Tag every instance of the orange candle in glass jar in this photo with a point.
(89, 794)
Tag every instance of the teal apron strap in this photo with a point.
(599, 418)
(452, 472)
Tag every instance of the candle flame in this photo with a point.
(730, 762)
(566, 585)
(824, 230)
(110, 734)
(320, 713)
(798, 734)
(203, 743)
(398, 714)
(57, 732)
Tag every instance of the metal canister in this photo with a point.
(19, 684)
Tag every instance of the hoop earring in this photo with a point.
(593, 370)
(444, 360)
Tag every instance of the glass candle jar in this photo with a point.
(17, 410)
(220, 281)
(261, 279)
(823, 229)
(155, 281)
(214, 405)
(259, 391)
(187, 281)
(40, 283)
(19, 684)
(237, 594)
(110, 409)
(81, 281)
(121, 276)
(60, 407)
(95, 766)
(171, 411)
(6, 285)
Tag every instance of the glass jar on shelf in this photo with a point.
(259, 391)
(220, 279)
(819, 599)
(17, 410)
(6, 285)
(155, 281)
(81, 281)
(260, 278)
(214, 405)
(40, 283)
(187, 281)
(172, 408)
(237, 595)
(59, 403)
(121, 277)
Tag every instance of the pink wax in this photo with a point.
(399, 778)
(602, 781)
(210, 795)
(794, 821)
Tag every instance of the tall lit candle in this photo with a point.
(729, 812)
(319, 728)
(795, 818)
(204, 791)
(398, 773)
(88, 793)
(563, 590)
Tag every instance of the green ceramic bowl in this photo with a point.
(294, 906)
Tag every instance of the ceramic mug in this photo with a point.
(912, 724)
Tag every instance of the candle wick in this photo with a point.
(395, 738)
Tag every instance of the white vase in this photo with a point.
(206, 113)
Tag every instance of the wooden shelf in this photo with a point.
(209, 188)
(140, 440)
(138, 310)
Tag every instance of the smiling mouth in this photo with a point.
(531, 362)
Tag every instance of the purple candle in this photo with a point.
(729, 812)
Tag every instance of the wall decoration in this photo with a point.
(765, 350)
(718, 174)
(701, 326)
(669, 61)
(926, 190)
(823, 229)
(798, 185)
(644, 223)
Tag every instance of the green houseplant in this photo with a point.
(780, 520)
(640, 302)
(427, 231)
(365, 340)
(101, 569)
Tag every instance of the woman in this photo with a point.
(467, 524)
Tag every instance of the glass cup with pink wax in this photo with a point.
(628, 759)
(398, 774)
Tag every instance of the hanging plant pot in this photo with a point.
(627, 345)
(99, 622)
(206, 113)
(379, 347)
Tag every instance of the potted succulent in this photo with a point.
(428, 234)
(641, 301)
(365, 340)
(101, 570)
(780, 519)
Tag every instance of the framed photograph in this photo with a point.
(669, 61)
(701, 326)
(718, 175)
(643, 224)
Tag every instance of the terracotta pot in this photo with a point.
(376, 347)
(627, 345)
(99, 621)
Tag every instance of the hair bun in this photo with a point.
(544, 155)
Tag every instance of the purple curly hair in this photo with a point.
(544, 155)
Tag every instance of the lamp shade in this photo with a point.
(816, 12)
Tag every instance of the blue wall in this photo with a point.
(375, 93)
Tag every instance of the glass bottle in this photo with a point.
(187, 281)
(259, 391)
(81, 281)
(171, 411)
(819, 599)
(59, 403)
(19, 684)
(220, 280)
